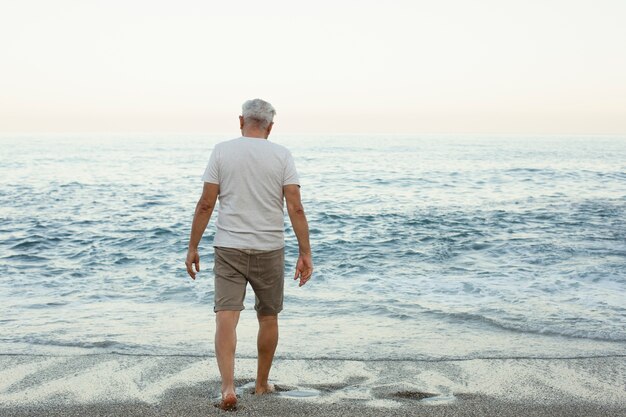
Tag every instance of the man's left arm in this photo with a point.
(201, 218)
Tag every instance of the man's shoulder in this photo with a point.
(224, 145)
(228, 142)
(280, 148)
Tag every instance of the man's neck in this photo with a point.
(254, 134)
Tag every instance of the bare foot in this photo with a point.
(264, 389)
(229, 402)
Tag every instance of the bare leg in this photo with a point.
(225, 344)
(266, 346)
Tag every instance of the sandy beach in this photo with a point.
(133, 385)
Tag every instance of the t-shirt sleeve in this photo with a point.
(212, 171)
(290, 175)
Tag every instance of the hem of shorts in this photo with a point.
(234, 246)
(267, 313)
(228, 308)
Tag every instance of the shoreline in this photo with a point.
(318, 358)
(122, 384)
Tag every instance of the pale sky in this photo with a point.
(341, 66)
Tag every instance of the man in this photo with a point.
(252, 177)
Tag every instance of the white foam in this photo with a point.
(136, 378)
(14, 374)
(547, 380)
(194, 373)
(312, 372)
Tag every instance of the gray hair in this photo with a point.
(259, 112)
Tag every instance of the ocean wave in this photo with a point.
(109, 346)
(551, 329)
(63, 349)
(23, 257)
(34, 241)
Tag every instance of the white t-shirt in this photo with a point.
(251, 173)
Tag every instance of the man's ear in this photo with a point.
(240, 122)
(269, 128)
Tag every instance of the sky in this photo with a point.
(341, 66)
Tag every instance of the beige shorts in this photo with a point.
(264, 270)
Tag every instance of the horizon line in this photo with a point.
(199, 133)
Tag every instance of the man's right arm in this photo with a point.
(304, 266)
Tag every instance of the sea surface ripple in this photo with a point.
(424, 246)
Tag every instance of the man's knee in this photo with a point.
(227, 317)
(267, 318)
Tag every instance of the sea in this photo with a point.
(426, 247)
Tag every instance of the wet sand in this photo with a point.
(113, 384)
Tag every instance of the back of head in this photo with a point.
(258, 112)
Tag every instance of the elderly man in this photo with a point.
(252, 177)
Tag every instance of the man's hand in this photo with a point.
(201, 218)
(192, 258)
(304, 268)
